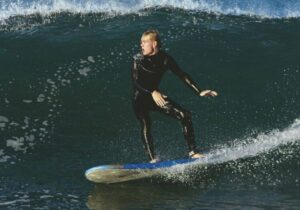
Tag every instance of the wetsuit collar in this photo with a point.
(152, 56)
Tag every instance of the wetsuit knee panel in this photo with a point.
(187, 116)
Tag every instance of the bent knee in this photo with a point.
(185, 115)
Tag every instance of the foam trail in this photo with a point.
(249, 147)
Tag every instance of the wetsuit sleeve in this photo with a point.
(173, 66)
(134, 74)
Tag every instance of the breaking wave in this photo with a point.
(263, 9)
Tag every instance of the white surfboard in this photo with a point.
(122, 173)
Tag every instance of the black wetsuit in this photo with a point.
(147, 72)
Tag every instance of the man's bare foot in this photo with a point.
(195, 155)
(155, 160)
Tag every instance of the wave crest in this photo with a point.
(263, 9)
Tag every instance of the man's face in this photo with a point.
(148, 46)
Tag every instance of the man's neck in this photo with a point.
(154, 52)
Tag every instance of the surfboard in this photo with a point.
(127, 172)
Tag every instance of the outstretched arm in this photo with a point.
(173, 66)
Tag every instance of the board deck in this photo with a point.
(121, 173)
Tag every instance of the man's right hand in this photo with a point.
(159, 98)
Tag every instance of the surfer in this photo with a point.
(148, 68)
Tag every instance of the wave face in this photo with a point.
(65, 103)
(264, 9)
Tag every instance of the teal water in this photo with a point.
(65, 106)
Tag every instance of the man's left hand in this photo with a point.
(208, 93)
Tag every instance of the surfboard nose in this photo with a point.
(90, 173)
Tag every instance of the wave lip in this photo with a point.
(263, 9)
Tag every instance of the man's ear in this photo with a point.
(154, 44)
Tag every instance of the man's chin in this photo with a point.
(145, 53)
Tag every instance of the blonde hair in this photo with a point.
(154, 36)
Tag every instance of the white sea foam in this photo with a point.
(32, 131)
(241, 148)
(253, 146)
(3, 157)
(84, 71)
(91, 59)
(3, 121)
(16, 143)
(10, 203)
(266, 9)
(27, 101)
(40, 98)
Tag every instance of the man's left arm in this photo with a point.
(173, 66)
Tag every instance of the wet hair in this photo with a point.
(154, 36)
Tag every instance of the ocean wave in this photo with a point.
(257, 8)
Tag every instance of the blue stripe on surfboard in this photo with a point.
(162, 164)
(149, 166)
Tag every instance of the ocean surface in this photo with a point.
(65, 103)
